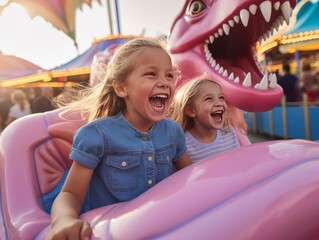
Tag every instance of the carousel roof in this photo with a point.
(15, 67)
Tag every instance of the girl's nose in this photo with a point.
(163, 82)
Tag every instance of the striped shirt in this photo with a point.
(224, 142)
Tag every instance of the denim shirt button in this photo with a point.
(149, 158)
(144, 137)
(150, 182)
(124, 163)
(167, 157)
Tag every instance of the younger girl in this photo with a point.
(200, 108)
(128, 146)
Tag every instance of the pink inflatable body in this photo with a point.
(268, 190)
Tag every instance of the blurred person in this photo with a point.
(20, 108)
(289, 83)
(308, 82)
(5, 104)
(42, 102)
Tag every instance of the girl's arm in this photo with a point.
(65, 222)
(182, 162)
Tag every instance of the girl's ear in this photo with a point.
(190, 111)
(119, 89)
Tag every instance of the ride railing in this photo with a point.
(289, 120)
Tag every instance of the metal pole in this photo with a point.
(110, 16)
(284, 117)
(117, 17)
(271, 123)
(306, 116)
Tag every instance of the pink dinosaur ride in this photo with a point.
(268, 190)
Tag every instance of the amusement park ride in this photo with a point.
(267, 190)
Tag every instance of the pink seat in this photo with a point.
(268, 190)
(34, 163)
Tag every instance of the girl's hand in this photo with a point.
(70, 229)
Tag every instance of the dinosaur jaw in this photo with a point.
(228, 54)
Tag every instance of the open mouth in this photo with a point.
(232, 55)
(217, 115)
(219, 38)
(159, 101)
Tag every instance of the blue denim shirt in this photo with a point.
(127, 162)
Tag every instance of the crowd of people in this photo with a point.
(17, 103)
(295, 87)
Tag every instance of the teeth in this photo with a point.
(211, 39)
(213, 62)
(277, 24)
(247, 81)
(253, 9)
(220, 31)
(286, 11)
(217, 67)
(161, 96)
(231, 76)
(276, 5)
(265, 8)
(273, 81)
(244, 17)
(226, 28)
(263, 85)
(236, 19)
(231, 23)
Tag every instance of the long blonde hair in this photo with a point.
(101, 100)
(186, 96)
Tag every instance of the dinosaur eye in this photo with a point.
(196, 7)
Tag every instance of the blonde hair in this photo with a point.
(101, 99)
(19, 97)
(186, 96)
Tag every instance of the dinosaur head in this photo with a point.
(218, 37)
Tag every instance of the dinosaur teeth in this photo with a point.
(226, 28)
(220, 32)
(231, 77)
(264, 84)
(273, 81)
(244, 17)
(236, 19)
(276, 5)
(211, 39)
(231, 23)
(286, 11)
(247, 80)
(253, 9)
(265, 8)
